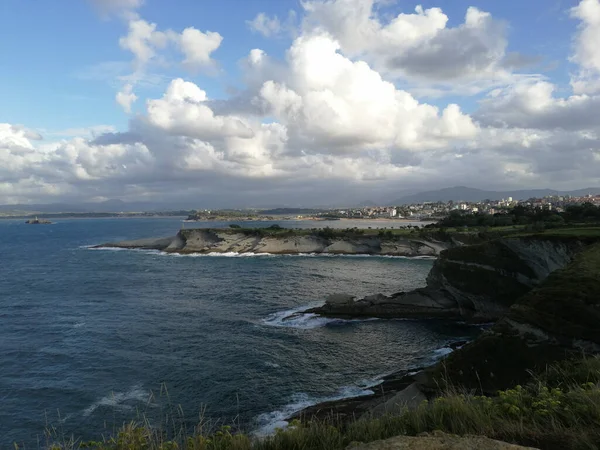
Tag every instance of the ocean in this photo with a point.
(90, 339)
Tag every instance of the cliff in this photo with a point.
(478, 283)
(287, 241)
(557, 320)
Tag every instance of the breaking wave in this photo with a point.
(258, 254)
(268, 423)
(295, 318)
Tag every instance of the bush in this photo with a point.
(234, 225)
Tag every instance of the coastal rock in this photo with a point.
(287, 242)
(557, 320)
(477, 283)
(437, 441)
(409, 398)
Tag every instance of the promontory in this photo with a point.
(277, 240)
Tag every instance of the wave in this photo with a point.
(259, 254)
(120, 400)
(269, 422)
(295, 318)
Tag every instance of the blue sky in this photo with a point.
(56, 58)
(64, 63)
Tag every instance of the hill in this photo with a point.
(467, 194)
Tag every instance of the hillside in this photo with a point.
(467, 194)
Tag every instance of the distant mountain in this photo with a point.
(290, 211)
(466, 194)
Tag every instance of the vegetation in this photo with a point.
(536, 219)
(559, 409)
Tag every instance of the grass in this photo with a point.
(559, 409)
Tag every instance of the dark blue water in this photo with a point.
(92, 338)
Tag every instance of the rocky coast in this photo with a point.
(288, 241)
(542, 292)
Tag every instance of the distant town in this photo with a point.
(424, 211)
(438, 210)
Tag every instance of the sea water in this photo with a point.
(90, 339)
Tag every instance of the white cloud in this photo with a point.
(328, 118)
(534, 105)
(265, 25)
(143, 40)
(273, 26)
(339, 105)
(183, 111)
(198, 46)
(419, 47)
(125, 97)
(586, 49)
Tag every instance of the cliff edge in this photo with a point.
(292, 241)
(477, 283)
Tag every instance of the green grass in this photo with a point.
(559, 410)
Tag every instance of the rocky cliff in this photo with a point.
(558, 319)
(476, 282)
(289, 242)
(555, 320)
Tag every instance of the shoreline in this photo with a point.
(215, 254)
(384, 388)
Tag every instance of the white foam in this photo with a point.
(258, 254)
(272, 365)
(295, 318)
(269, 422)
(119, 400)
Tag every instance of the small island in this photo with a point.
(37, 221)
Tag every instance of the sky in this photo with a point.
(242, 103)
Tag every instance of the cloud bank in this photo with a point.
(341, 118)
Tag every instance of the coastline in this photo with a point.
(289, 242)
(347, 409)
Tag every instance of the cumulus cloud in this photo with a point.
(586, 50)
(144, 40)
(126, 97)
(183, 111)
(326, 119)
(273, 26)
(340, 105)
(265, 25)
(198, 46)
(534, 105)
(418, 46)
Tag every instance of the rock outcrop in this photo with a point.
(288, 242)
(557, 320)
(437, 441)
(478, 283)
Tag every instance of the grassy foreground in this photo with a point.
(559, 409)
